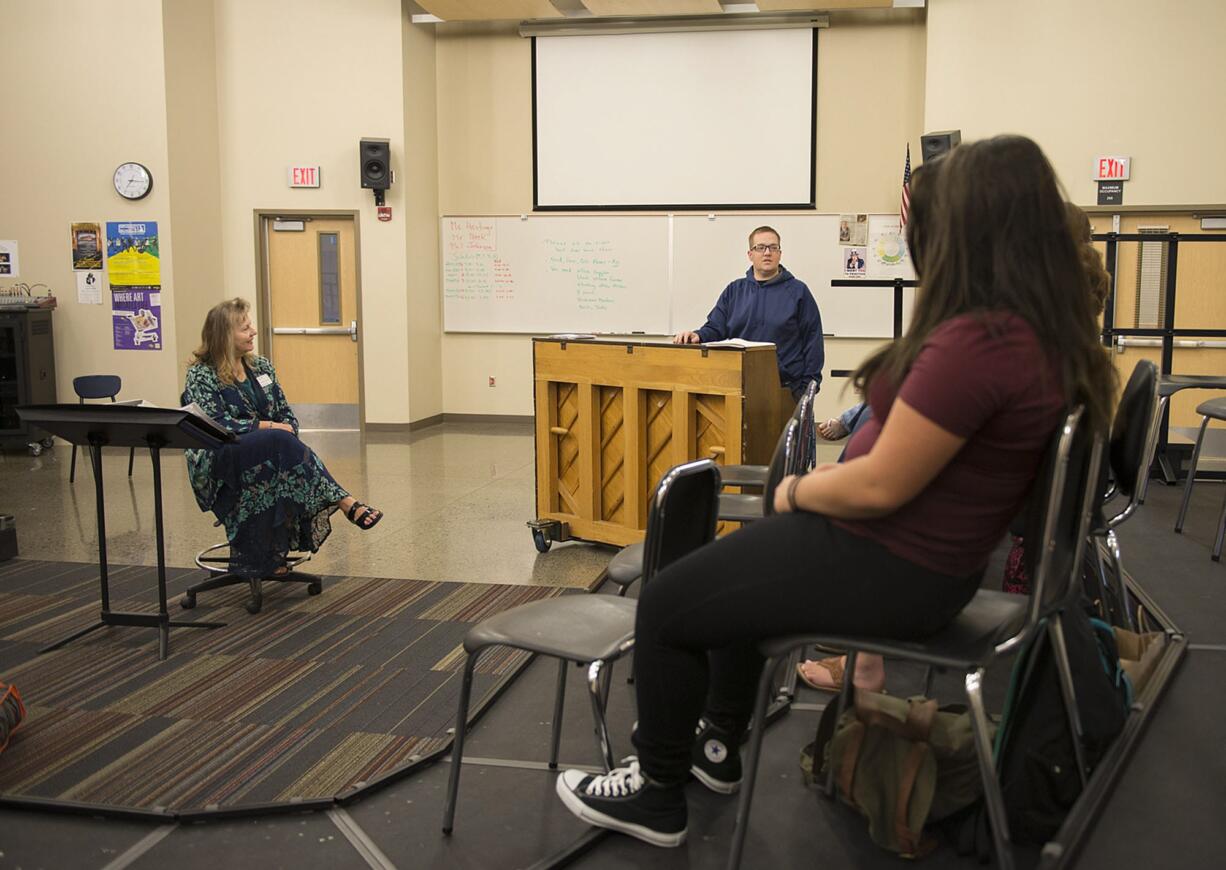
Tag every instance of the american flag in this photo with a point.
(906, 191)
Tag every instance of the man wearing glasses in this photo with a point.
(769, 304)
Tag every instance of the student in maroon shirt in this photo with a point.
(892, 541)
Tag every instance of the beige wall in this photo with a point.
(870, 72)
(194, 168)
(85, 91)
(302, 82)
(1084, 79)
(420, 171)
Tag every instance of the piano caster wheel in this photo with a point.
(542, 543)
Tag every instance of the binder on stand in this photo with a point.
(124, 425)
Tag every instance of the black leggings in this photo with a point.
(700, 619)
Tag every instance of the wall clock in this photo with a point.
(133, 181)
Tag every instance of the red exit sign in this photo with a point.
(304, 176)
(1111, 168)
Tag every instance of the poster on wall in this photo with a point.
(86, 247)
(132, 257)
(136, 317)
(89, 287)
(853, 262)
(8, 259)
(887, 249)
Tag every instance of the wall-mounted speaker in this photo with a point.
(934, 145)
(375, 163)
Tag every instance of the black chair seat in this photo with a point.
(968, 642)
(581, 628)
(744, 475)
(627, 565)
(740, 507)
(1213, 408)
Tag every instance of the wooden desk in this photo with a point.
(613, 416)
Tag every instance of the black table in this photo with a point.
(98, 426)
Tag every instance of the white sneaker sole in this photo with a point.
(716, 785)
(595, 817)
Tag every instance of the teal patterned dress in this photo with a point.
(270, 491)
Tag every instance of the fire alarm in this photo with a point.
(385, 212)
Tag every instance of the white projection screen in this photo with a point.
(703, 120)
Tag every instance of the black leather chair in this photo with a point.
(991, 625)
(754, 476)
(96, 387)
(1134, 436)
(593, 630)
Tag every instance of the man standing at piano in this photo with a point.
(769, 304)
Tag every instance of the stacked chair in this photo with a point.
(791, 456)
(593, 630)
(992, 625)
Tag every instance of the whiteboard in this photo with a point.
(711, 119)
(653, 274)
(555, 274)
(710, 251)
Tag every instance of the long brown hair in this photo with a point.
(217, 339)
(989, 232)
(1091, 260)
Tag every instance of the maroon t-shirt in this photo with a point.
(984, 378)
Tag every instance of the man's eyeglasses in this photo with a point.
(762, 249)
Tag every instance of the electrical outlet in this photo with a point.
(492, 383)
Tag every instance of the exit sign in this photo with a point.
(304, 176)
(1111, 168)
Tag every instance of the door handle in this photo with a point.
(351, 330)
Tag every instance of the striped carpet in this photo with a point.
(307, 700)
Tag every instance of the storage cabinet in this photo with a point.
(27, 371)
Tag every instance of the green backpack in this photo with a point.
(900, 763)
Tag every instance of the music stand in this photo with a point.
(98, 426)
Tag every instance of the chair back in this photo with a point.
(783, 463)
(96, 386)
(1059, 518)
(806, 450)
(1134, 436)
(682, 514)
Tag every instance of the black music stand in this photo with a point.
(98, 426)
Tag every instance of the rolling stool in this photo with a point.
(219, 567)
(1214, 409)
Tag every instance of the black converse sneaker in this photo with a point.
(715, 759)
(625, 800)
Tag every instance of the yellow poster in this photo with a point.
(132, 258)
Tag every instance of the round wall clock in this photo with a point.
(133, 181)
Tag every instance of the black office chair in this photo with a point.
(991, 625)
(96, 387)
(627, 565)
(592, 630)
(1134, 437)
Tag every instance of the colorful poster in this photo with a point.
(132, 253)
(136, 316)
(887, 249)
(8, 259)
(86, 247)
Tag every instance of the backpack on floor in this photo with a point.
(1034, 750)
(900, 763)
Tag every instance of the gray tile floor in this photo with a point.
(455, 498)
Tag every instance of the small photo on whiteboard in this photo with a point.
(855, 262)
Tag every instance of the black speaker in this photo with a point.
(934, 145)
(375, 163)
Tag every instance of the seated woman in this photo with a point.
(894, 540)
(269, 490)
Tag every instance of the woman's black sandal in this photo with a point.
(359, 520)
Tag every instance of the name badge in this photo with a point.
(264, 380)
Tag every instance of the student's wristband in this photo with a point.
(792, 493)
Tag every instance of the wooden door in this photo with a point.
(314, 329)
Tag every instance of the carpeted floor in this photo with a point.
(305, 700)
